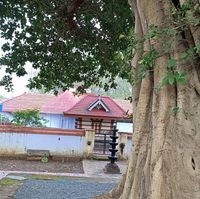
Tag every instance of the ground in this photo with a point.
(48, 183)
(8, 188)
(52, 166)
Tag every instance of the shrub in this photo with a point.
(29, 117)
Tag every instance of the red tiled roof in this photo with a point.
(68, 103)
(61, 103)
(26, 101)
(81, 108)
(126, 105)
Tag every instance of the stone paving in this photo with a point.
(8, 192)
(3, 174)
(93, 170)
(62, 189)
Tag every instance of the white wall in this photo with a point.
(53, 120)
(18, 143)
(58, 121)
(125, 127)
(129, 146)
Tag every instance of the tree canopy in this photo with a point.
(83, 41)
(68, 41)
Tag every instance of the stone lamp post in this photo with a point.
(112, 167)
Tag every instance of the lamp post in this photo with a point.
(112, 167)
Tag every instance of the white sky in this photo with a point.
(18, 82)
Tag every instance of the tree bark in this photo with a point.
(165, 159)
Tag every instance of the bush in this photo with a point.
(29, 117)
(4, 119)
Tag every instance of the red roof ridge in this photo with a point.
(76, 104)
(23, 101)
(117, 104)
(93, 95)
(88, 94)
(44, 94)
(26, 93)
(60, 101)
(101, 96)
(14, 97)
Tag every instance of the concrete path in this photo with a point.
(43, 173)
(92, 169)
(3, 174)
(88, 185)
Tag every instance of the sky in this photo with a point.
(18, 82)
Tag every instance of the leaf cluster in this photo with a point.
(173, 76)
(4, 119)
(29, 117)
(66, 42)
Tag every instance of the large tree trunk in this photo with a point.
(165, 159)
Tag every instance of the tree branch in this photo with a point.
(74, 6)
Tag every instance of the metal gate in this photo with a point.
(102, 142)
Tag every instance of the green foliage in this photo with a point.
(67, 42)
(172, 63)
(8, 182)
(146, 64)
(197, 48)
(122, 58)
(191, 53)
(45, 159)
(156, 32)
(148, 60)
(4, 119)
(87, 42)
(29, 117)
(175, 109)
(186, 15)
(173, 76)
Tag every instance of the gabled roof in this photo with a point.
(68, 103)
(81, 108)
(26, 101)
(61, 103)
(98, 104)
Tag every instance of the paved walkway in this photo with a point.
(90, 184)
(92, 169)
(3, 174)
(62, 189)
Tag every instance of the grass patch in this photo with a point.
(45, 177)
(7, 182)
(41, 177)
(48, 177)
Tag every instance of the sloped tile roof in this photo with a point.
(126, 105)
(26, 101)
(61, 103)
(81, 108)
(66, 102)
